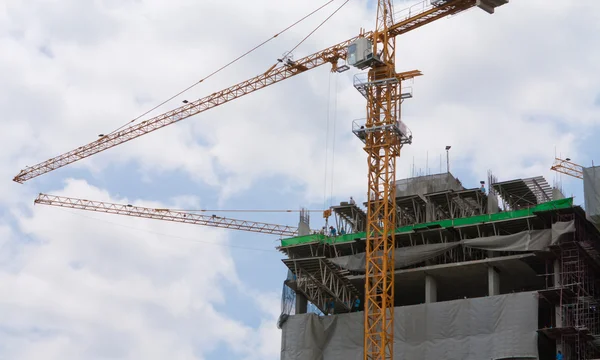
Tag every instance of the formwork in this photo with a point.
(474, 251)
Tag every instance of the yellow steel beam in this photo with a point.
(166, 215)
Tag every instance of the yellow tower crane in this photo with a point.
(383, 134)
(566, 166)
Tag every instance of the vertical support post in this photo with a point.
(493, 281)
(430, 289)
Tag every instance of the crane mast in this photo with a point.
(384, 134)
(382, 145)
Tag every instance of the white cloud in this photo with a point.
(121, 64)
(100, 285)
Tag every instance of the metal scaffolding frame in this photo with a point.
(350, 218)
(576, 289)
(318, 279)
(410, 210)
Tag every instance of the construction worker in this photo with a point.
(482, 187)
(332, 231)
(330, 307)
(355, 304)
(559, 355)
(352, 202)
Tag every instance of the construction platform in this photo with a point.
(470, 252)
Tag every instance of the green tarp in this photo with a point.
(473, 220)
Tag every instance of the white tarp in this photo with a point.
(591, 194)
(495, 327)
(530, 240)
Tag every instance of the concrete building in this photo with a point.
(510, 270)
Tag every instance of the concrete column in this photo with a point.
(492, 205)
(556, 276)
(301, 303)
(493, 281)
(303, 229)
(430, 289)
(557, 284)
(557, 194)
(429, 212)
(557, 310)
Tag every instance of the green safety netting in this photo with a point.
(551, 205)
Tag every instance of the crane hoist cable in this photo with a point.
(325, 171)
(318, 26)
(331, 122)
(335, 93)
(231, 63)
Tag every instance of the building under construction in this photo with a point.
(505, 272)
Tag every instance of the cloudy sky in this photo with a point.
(506, 91)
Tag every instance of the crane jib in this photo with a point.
(166, 215)
(430, 11)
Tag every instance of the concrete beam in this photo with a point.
(443, 267)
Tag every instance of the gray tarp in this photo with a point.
(591, 194)
(405, 256)
(531, 240)
(494, 327)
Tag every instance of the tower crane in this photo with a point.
(166, 215)
(382, 133)
(566, 166)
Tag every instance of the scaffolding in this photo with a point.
(575, 292)
(349, 218)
